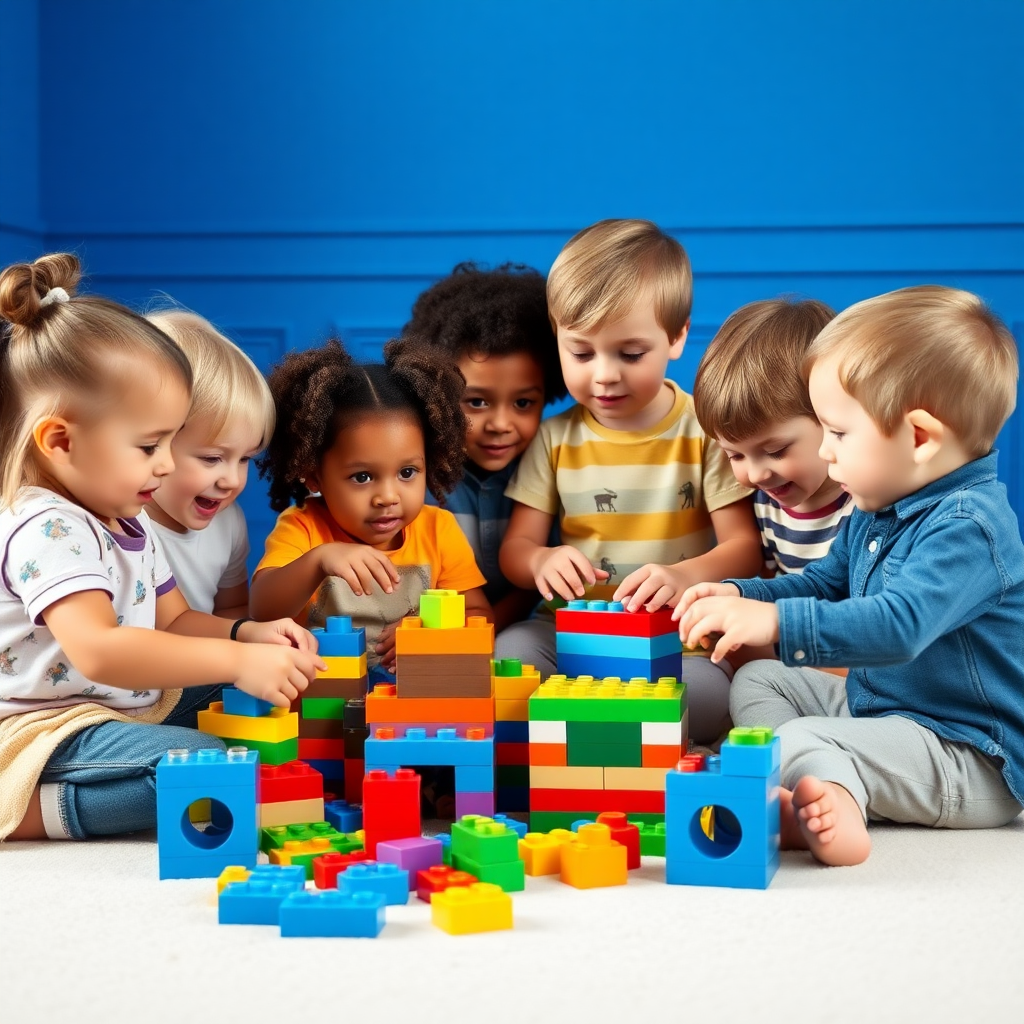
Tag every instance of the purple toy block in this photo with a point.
(411, 854)
(474, 803)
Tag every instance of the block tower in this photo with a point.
(514, 684)
(603, 745)
(441, 711)
(742, 785)
(602, 639)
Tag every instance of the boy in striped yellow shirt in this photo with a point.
(647, 504)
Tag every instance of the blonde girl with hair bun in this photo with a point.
(103, 665)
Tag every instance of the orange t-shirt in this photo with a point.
(434, 554)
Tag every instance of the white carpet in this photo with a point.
(930, 929)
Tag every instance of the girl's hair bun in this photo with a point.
(23, 286)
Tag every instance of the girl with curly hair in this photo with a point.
(353, 453)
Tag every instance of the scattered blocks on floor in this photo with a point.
(412, 855)
(439, 878)
(391, 881)
(332, 914)
(257, 899)
(594, 860)
(476, 908)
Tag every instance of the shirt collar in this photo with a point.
(971, 474)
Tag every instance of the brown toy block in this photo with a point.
(327, 729)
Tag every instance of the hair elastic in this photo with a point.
(54, 295)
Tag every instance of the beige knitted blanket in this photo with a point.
(27, 741)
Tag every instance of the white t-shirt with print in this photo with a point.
(50, 548)
(205, 561)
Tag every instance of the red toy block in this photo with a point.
(625, 833)
(511, 753)
(642, 623)
(294, 780)
(391, 807)
(354, 780)
(439, 878)
(589, 801)
(322, 750)
(327, 867)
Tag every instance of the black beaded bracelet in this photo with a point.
(237, 626)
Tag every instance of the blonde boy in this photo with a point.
(751, 396)
(922, 594)
(194, 513)
(646, 503)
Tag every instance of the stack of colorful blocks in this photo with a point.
(514, 684)
(603, 745)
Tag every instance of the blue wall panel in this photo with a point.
(315, 166)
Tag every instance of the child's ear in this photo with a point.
(929, 434)
(675, 346)
(52, 436)
(311, 481)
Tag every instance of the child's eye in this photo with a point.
(582, 357)
(476, 403)
(210, 460)
(245, 459)
(407, 472)
(632, 357)
(734, 456)
(149, 449)
(362, 477)
(838, 434)
(779, 454)
(522, 404)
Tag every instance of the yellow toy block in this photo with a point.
(476, 637)
(442, 609)
(635, 778)
(344, 668)
(280, 725)
(463, 910)
(291, 812)
(541, 853)
(517, 687)
(594, 860)
(568, 777)
(233, 873)
(511, 710)
(296, 848)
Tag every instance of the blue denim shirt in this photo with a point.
(924, 602)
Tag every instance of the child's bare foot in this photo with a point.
(791, 835)
(830, 820)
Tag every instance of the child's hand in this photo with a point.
(739, 620)
(695, 593)
(653, 586)
(386, 647)
(359, 565)
(280, 631)
(274, 672)
(566, 572)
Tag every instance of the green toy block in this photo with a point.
(442, 609)
(545, 821)
(508, 667)
(270, 753)
(615, 733)
(484, 840)
(323, 707)
(751, 735)
(609, 700)
(510, 874)
(275, 837)
(512, 776)
(652, 838)
(603, 755)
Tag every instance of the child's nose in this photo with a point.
(605, 370)
(759, 472)
(499, 420)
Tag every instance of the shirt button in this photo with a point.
(873, 546)
(799, 655)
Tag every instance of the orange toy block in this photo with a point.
(384, 706)
(553, 754)
(517, 687)
(659, 756)
(594, 860)
(476, 637)
(541, 852)
(512, 710)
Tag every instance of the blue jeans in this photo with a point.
(106, 775)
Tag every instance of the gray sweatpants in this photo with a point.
(707, 685)
(896, 769)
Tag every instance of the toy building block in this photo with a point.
(293, 781)
(332, 914)
(337, 639)
(275, 837)
(489, 850)
(519, 827)
(511, 798)
(474, 636)
(594, 860)
(660, 757)
(343, 816)
(555, 777)
(551, 732)
(327, 867)
(232, 873)
(610, 618)
(742, 786)
(592, 801)
(257, 899)
(439, 878)
(290, 812)
(446, 848)
(511, 710)
(626, 668)
(445, 748)
(623, 832)
(474, 778)
(474, 803)
(343, 668)
(391, 881)
(412, 855)
(632, 648)
(391, 806)
(541, 853)
(652, 838)
(586, 699)
(512, 731)
(511, 753)
(635, 779)
(476, 908)
(513, 680)
(442, 609)
(228, 778)
(280, 725)
(603, 743)
(322, 749)
(549, 755)
(354, 777)
(326, 685)
(383, 706)
(433, 676)
(238, 702)
(301, 854)
(319, 708)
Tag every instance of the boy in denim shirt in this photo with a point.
(921, 594)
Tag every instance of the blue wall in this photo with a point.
(290, 168)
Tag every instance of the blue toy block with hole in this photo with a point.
(600, 667)
(238, 702)
(343, 815)
(446, 748)
(744, 852)
(389, 880)
(608, 646)
(511, 732)
(337, 639)
(231, 779)
(332, 914)
(258, 899)
(473, 778)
